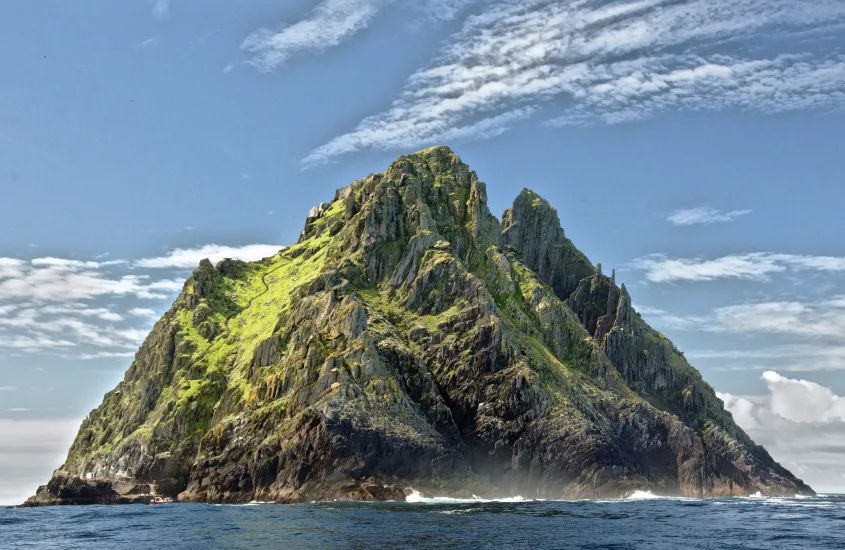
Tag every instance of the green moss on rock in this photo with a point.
(406, 338)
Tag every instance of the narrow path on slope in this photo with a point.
(257, 296)
(248, 305)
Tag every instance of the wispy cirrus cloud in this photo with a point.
(821, 319)
(809, 335)
(189, 258)
(105, 355)
(824, 318)
(149, 42)
(161, 8)
(667, 319)
(610, 62)
(798, 357)
(704, 215)
(660, 268)
(329, 23)
(635, 90)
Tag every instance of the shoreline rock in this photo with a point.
(66, 489)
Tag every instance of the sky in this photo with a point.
(696, 146)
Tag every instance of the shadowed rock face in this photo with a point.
(407, 340)
(532, 227)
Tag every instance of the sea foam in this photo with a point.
(416, 498)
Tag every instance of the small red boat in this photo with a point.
(161, 500)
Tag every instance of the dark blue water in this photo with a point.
(621, 524)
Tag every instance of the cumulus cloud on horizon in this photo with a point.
(604, 62)
(801, 423)
(189, 258)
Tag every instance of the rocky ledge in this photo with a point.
(65, 488)
(410, 339)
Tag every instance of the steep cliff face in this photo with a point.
(407, 340)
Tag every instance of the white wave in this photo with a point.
(458, 512)
(643, 495)
(416, 498)
(250, 503)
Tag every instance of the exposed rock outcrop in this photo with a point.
(67, 489)
(407, 340)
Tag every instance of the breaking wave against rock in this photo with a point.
(416, 498)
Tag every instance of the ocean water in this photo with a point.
(639, 522)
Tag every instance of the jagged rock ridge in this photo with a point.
(407, 339)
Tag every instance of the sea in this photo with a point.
(642, 521)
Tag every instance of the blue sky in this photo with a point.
(696, 146)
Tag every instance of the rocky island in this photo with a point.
(411, 339)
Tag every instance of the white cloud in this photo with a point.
(609, 62)
(667, 319)
(329, 23)
(169, 285)
(82, 310)
(742, 409)
(189, 258)
(789, 336)
(764, 353)
(149, 42)
(800, 423)
(802, 400)
(822, 319)
(47, 305)
(48, 312)
(704, 215)
(37, 342)
(634, 90)
(142, 312)
(43, 329)
(161, 8)
(105, 355)
(8, 388)
(809, 319)
(61, 280)
(10, 267)
(660, 268)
